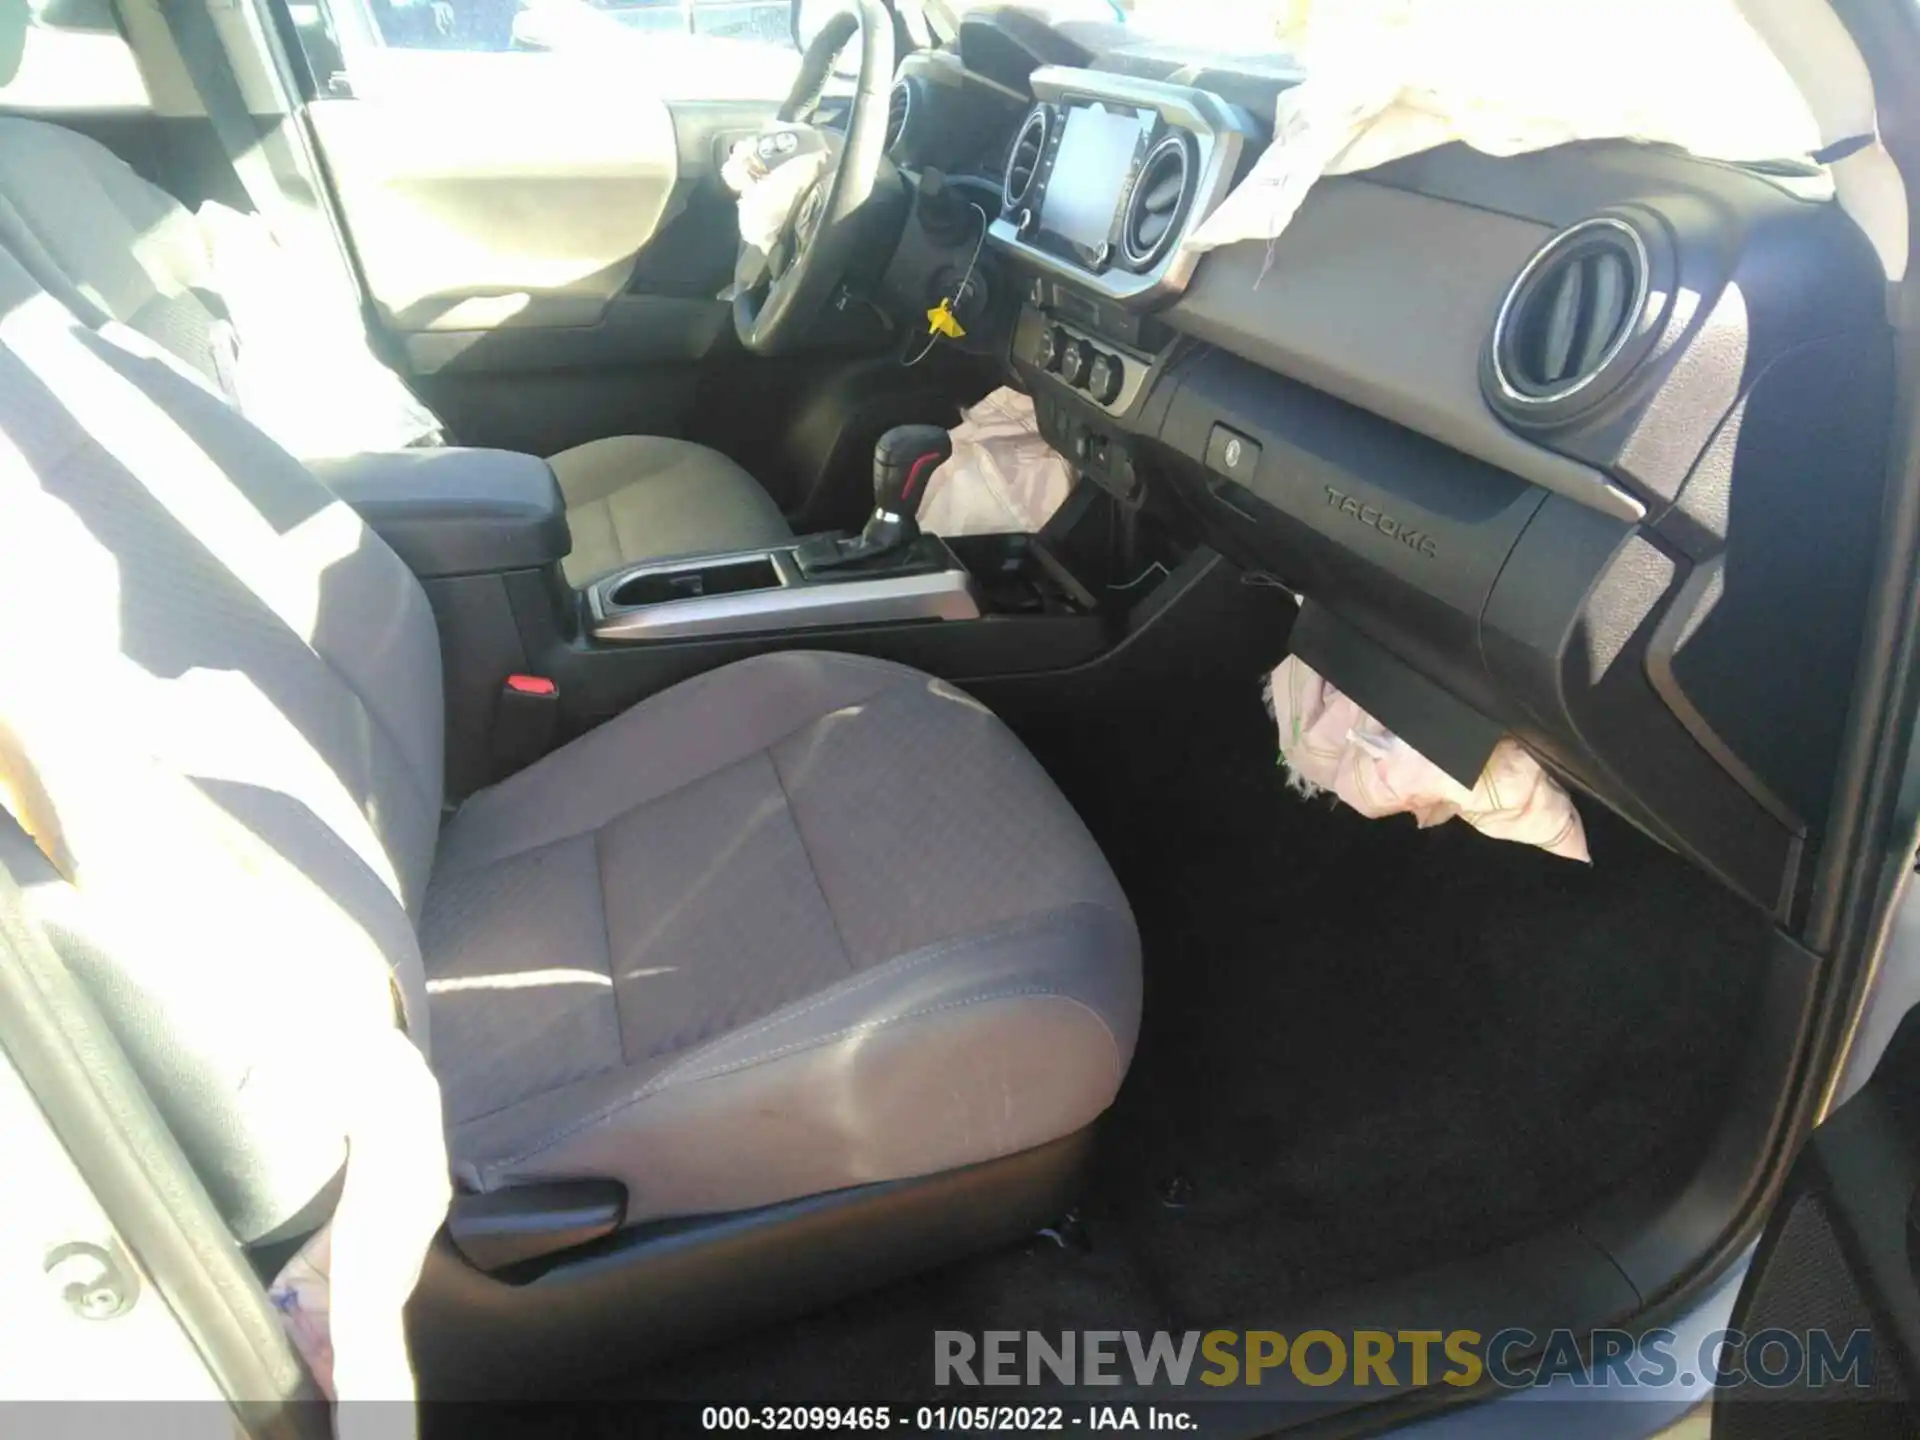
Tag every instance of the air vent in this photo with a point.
(1029, 148)
(1158, 201)
(1570, 314)
(899, 112)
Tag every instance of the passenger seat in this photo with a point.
(805, 923)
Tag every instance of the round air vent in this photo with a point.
(1571, 313)
(1029, 148)
(899, 114)
(1158, 201)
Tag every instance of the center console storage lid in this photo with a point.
(453, 511)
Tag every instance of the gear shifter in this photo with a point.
(903, 463)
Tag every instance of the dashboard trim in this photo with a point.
(1636, 310)
(1136, 369)
(1351, 305)
(1221, 131)
(901, 86)
(1147, 259)
(1042, 117)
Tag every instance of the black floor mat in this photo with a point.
(1365, 1049)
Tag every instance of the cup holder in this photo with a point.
(1017, 575)
(660, 587)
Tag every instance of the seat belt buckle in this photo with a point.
(525, 720)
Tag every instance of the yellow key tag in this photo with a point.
(942, 321)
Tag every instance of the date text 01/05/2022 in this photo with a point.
(946, 1419)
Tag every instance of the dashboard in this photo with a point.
(1584, 446)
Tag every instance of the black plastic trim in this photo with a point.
(1528, 407)
(503, 1228)
(665, 1287)
(1404, 537)
(1051, 651)
(1448, 731)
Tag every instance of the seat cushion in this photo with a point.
(806, 922)
(644, 497)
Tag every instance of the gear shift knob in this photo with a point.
(903, 463)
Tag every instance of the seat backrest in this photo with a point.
(110, 246)
(220, 707)
(275, 330)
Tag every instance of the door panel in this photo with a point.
(544, 233)
(497, 190)
(550, 281)
(544, 230)
(534, 382)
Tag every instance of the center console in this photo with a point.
(890, 573)
(766, 591)
(529, 661)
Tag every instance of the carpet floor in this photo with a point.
(1366, 1048)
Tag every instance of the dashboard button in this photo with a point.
(1107, 378)
(1233, 455)
(1052, 348)
(1076, 362)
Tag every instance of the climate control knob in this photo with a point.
(1106, 378)
(1075, 363)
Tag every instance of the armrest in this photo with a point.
(456, 512)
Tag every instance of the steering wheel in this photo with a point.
(773, 305)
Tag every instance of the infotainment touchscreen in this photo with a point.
(1097, 149)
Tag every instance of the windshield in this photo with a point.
(1221, 26)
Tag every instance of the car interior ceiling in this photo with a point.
(1377, 1063)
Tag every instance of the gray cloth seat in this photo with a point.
(742, 944)
(774, 952)
(641, 497)
(116, 249)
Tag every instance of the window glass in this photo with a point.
(695, 27)
(73, 58)
(1226, 26)
(669, 49)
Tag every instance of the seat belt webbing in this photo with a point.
(210, 69)
(300, 234)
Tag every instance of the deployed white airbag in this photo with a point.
(1003, 479)
(1328, 743)
(1388, 78)
(768, 195)
(301, 368)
